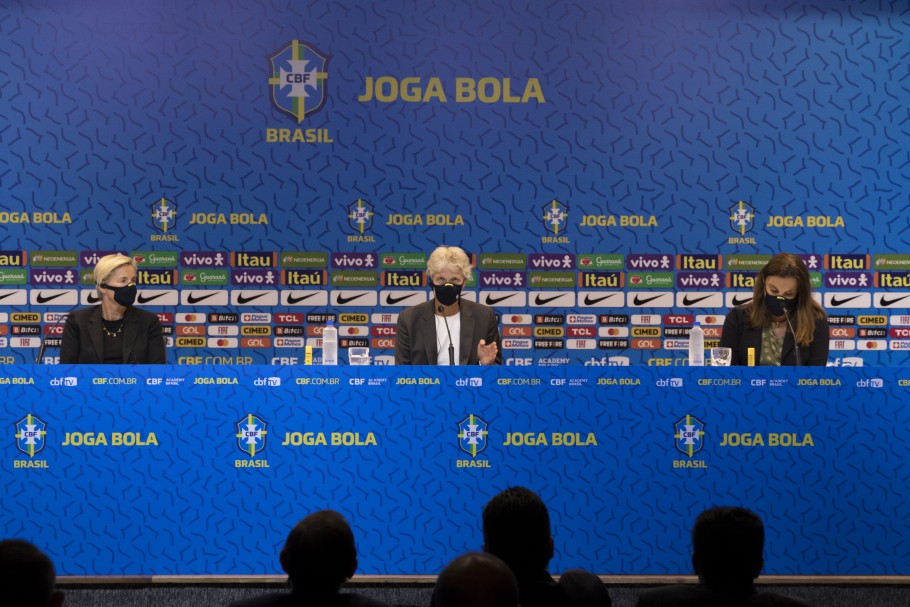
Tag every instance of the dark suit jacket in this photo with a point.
(684, 595)
(415, 338)
(284, 599)
(739, 337)
(83, 341)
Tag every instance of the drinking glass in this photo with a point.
(721, 357)
(358, 356)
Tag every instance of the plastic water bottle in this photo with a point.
(696, 346)
(330, 344)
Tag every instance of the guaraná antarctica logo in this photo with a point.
(472, 435)
(742, 217)
(298, 80)
(689, 435)
(251, 434)
(164, 215)
(555, 217)
(30, 435)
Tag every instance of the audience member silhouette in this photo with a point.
(318, 556)
(727, 546)
(27, 576)
(516, 528)
(476, 579)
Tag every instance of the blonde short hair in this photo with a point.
(109, 263)
(449, 258)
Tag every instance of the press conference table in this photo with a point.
(202, 470)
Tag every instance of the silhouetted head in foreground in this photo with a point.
(319, 554)
(27, 576)
(476, 579)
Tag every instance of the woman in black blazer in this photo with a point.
(781, 316)
(113, 332)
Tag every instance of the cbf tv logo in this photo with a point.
(251, 434)
(360, 215)
(298, 80)
(472, 435)
(30, 435)
(689, 435)
(555, 217)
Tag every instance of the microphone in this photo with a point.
(785, 304)
(48, 334)
(442, 310)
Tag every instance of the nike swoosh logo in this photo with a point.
(692, 302)
(392, 300)
(42, 298)
(638, 301)
(10, 294)
(147, 298)
(887, 302)
(242, 299)
(344, 300)
(839, 302)
(591, 302)
(93, 298)
(193, 299)
(541, 301)
(738, 302)
(492, 301)
(292, 300)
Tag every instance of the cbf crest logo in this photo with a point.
(742, 217)
(298, 80)
(30, 435)
(555, 216)
(360, 215)
(690, 435)
(251, 434)
(472, 435)
(164, 215)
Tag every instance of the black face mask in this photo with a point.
(125, 296)
(778, 306)
(447, 294)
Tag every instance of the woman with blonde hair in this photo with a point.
(113, 332)
(448, 330)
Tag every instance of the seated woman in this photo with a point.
(782, 323)
(114, 332)
(448, 329)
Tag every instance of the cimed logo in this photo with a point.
(555, 216)
(298, 80)
(251, 434)
(472, 435)
(164, 215)
(742, 217)
(30, 433)
(690, 435)
(360, 215)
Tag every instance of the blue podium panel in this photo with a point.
(204, 470)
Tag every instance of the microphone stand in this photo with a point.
(792, 331)
(442, 311)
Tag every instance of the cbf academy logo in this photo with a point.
(164, 215)
(30, 433)
(472, 435)
(555, 217)
(298, 81)
(742, 217)
(251, 434)
(360, 215)
(690, 435)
